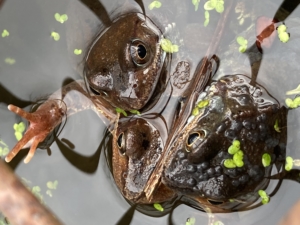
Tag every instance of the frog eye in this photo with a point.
(121, 144)
(194, 139)
(139, 52)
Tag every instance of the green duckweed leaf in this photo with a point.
(61, 18)
(134, 111)
(206, 22)
(52, 185)
(218, 223)
(206, 15)
(264, 196)
(297, 101)
(233, 149)
(190, 221)
(154, 4)
(158, 207)
(284, 37)
(167, 46)
(119, 110)
(5, 33)
(288, 163)
(195, 111)
(77, 51)
(276, 126)
(220, 7)
(208, 6)
(55, 36)
(294, 91)
(242, 48)
(18, 135)
(10, 61)
(229, 163)
(281, 28)
(202, 104)
(196, 4)
(49, 192)
(236, 143)
(266, 160)
(241, 41)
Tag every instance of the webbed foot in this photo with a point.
(42, 122)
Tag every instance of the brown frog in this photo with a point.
(125, 61)
(230, 109)
(124, 64)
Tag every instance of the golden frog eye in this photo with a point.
(139, 52)
(194, 139)
(121, 144)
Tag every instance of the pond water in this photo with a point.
(40, 66)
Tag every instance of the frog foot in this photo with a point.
(42, 122)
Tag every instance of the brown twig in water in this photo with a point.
(18, 204)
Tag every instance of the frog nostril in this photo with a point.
(121, 144)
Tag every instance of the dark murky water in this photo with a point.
(42, 64)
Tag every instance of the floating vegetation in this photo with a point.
(134, 111)
(55, 36)
(5, 33)
(293, 103)
(52, 186)
(190, 221)
(238, 156)
(158, 207)
(243, 44)
(77, 51)
(167, 46)
(61, 18)
(4, 149)
(266, 160)
(19, 129)
(196, 4)
(276, 126)
(154, 4)
(218, 5)
(294, 91)
(119, 110)
(264, 197)
(206, 16)
(289, 163)
(10, 61)
(282, 34)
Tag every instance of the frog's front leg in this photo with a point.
(65, 102)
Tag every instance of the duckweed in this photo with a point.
(293, 103)
(19, 129)
(243, 44)
(5, 33)
(202, 104)
(55, 36)
(294, 91)
(167, 46)
(77, 51)
(276, 126)
(218, 223)
(264, 196)
(158, 207)
(4, 149)
(119, 110)
(190, 221)
(229, 163)
(218, 5)
(196, 4)
(195, 111)
(289, 163)
(61, 18)
(10, 61)
(134, 111)
(206, 16)
(233, 149)
(154, 4)
(266, 160)
(52, 185)
(282, 34)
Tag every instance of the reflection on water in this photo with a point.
(41, 65)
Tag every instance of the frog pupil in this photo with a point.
(120, 143)
(142, 51)
(192, 138)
